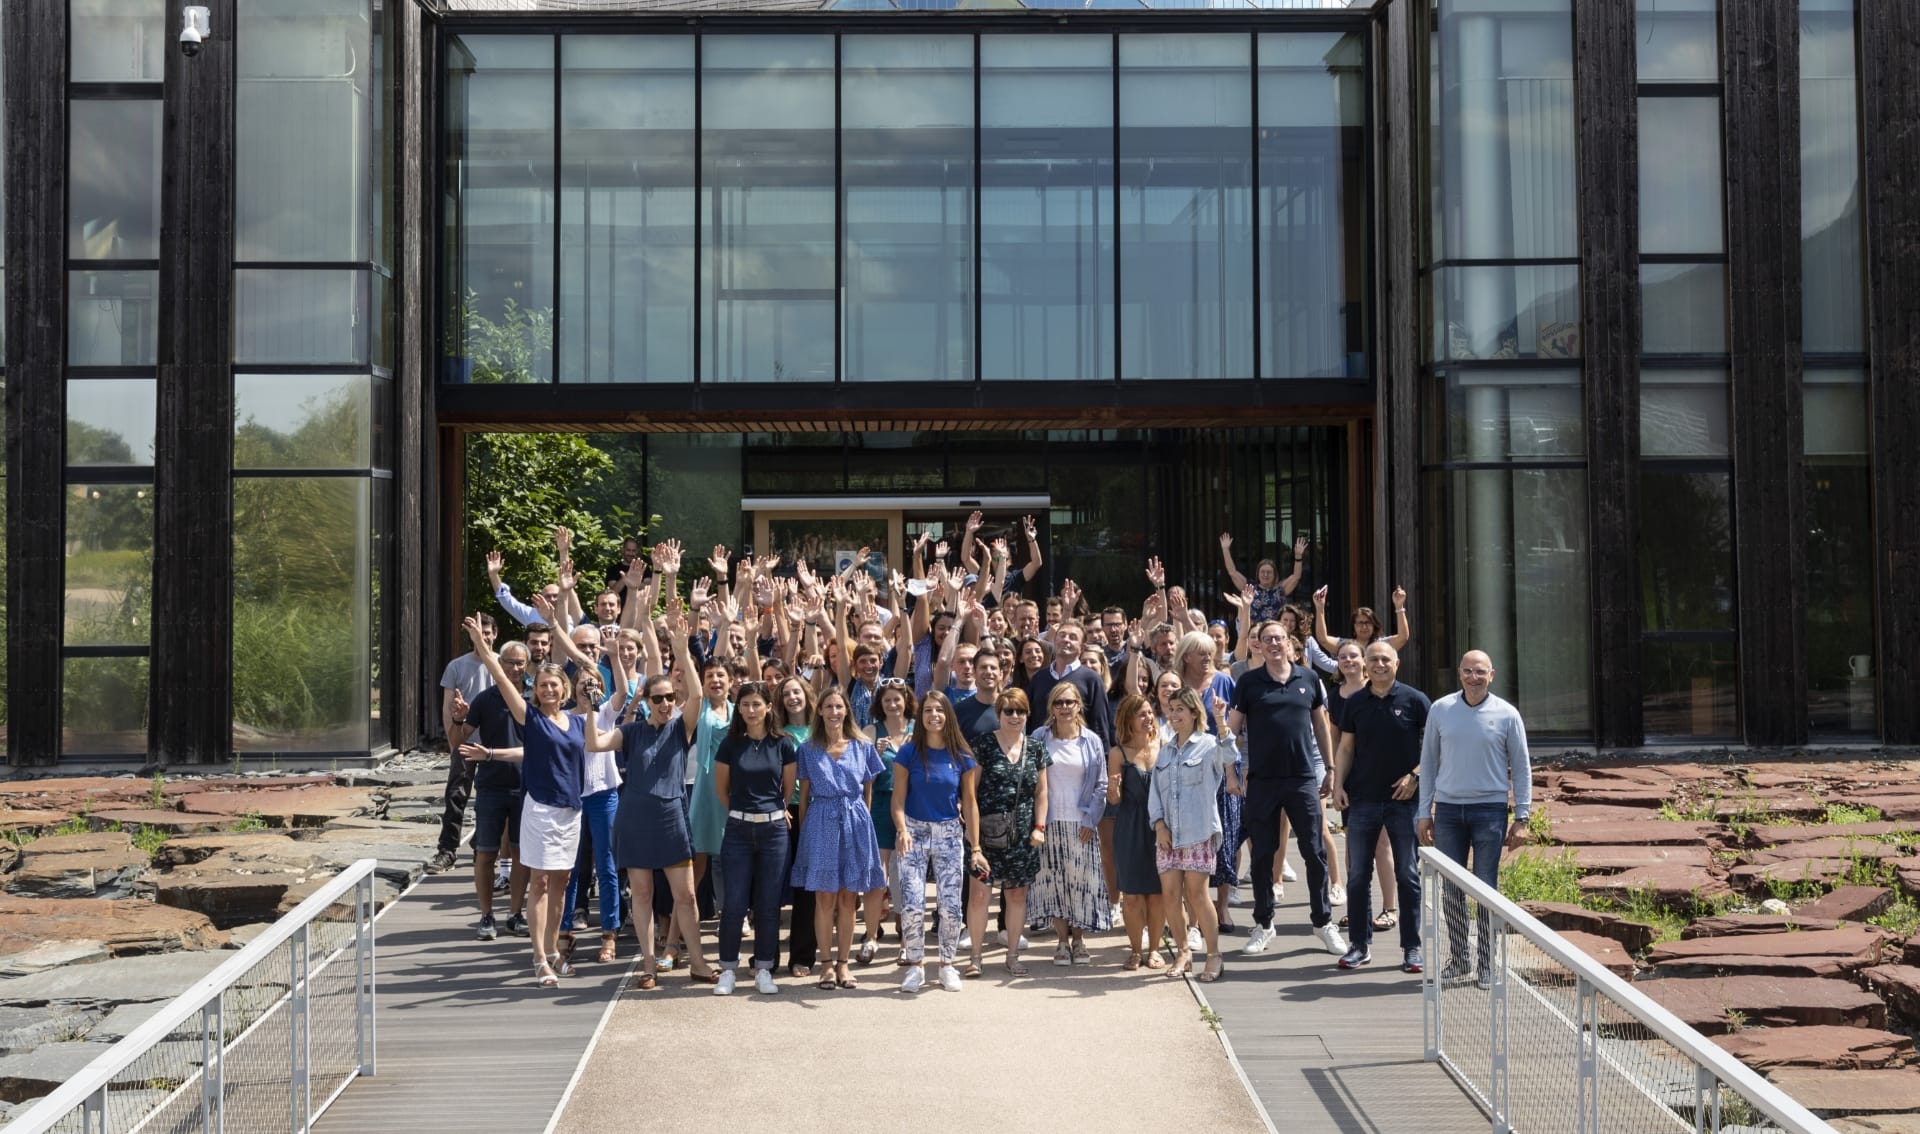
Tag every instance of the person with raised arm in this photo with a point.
(1269, 590)
(1191, 771)
(1366, 626)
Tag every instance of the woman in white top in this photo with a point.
(1070, 889)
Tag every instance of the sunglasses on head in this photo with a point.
(893, 683)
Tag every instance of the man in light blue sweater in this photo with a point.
(1473, 757)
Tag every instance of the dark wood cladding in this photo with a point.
(1890, 125)
(1607, 139)
(437, 557)
(191, 690)
(36, 354)
(1396, 510)
(1761, 105)
(410, 279)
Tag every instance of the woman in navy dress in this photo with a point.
(838, 857)
(650, 829)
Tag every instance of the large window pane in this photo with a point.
(104, 706)
(1840, 555)
(1680, 182)
(1690, 689)
(1094, 534)
(1186, 177)
(1505, 177)
(286, 421)
(1046, 207)
(626, 215)
(767, 198)
(906, 106)
(1677, 41)
(1834, 423)
(1683, 308)
(301, 620)
(112, 318)
(110, 421)
(117, 41)
(1686, 550)
(302, 176)
(300, 315)
(693, 485)
(499, 214)
(114, 180)
(109, 564)
(1683, 413)
(1503, 313)
(1833, 311)
(1313, 273)
(1508, 415)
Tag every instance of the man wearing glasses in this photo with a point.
(1473, 757)
(487, 743)
(1280, 714)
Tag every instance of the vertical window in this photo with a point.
(117, 41)
(113, 169)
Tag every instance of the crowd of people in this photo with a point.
(764, 736)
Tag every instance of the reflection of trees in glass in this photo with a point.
(104, 705)
(331, 435)
(503, 351)
(92, 445)
(519, 487)
(109, 564)
(1686, 551)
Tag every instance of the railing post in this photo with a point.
(213, 1067)
(1706, 1101)
(363, 972)
(1430, 903)
(1587, 1036)
(1501, 1093)
(93, 1113)
(299, 1030)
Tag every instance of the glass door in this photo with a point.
(829, 541)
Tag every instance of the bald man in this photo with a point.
(1474, 757)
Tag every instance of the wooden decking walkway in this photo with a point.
(467, 1043)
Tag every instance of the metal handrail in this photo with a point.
(1769, 1099)
(75, 1092)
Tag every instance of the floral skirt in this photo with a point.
(1226, 863)
(1198, 858)
(1070, 885)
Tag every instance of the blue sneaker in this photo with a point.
(1415, 963)
(1355, 957)
(485, 930)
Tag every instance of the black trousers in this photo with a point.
(803, 948)
(459, 789)
(1299, 800)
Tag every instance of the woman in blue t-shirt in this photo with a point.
(938, 823)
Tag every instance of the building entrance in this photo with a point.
(827, 533)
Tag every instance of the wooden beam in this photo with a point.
(1890, 127)
(1761, 105)
(415, 345)
(36, 356)
(1607, 141)
(1399, 202)
(191, 706)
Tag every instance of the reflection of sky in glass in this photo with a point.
(122, 407)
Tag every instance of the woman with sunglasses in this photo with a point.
(793, 716)
(935, 779)
(893, 722)
(1069, 889)
(754, 775)
(1012, 802)
(1191, 771)
(837, 857)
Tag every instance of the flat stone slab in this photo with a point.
(124, 927)
(1820, 871)
(32, 819)
(1654, 832)
(51, 955)
(187, 850)
(1621, 795)
(1850, 1091)
(1771, 805)
(1605, 950)
(1671, 884)
(23, 1029)
(1819, 1046)
(1767, 835)
(102, 865)
(1892, 805)
(30, 1074)
(1833, 847)
(309, 807)
(1849, 903)
(1738, 925)
(1819, 952)
(1571, 812)
(229, 897)
(120, 1023)
(179, 822)
(1769, 1001)
(1899, 986)
(1633, 936)
(157, 976)
(1613, 858)
(1878, 1124)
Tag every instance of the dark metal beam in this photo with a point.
(1397, 391)
(414, 343)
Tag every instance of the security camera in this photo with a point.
(195, 26)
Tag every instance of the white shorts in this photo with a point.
(549, 836)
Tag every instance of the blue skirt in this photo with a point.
(837, 850)
(1226, 867)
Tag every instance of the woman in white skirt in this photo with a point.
(1071, 889)
(551, 769)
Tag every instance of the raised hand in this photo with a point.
(1320, 596)
(636, 574)
(698, 598)
(1033, 529)
(495, 561)
(1000, 550)
(974, 521)
(921, 541)
(768, 563)
(1226, 541)
(543, 606)
(567, 579)
(1237, 602)
(860, 559)
(1156, 572)
(1219, 707)
(1399, 597)
(562, 539)
(1300, 546)
(459, 707)
(1069, 597)
(476, 635)
(718, 561)
(666, 557)
(940, 550)
(803, 573)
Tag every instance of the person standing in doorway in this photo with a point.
(1376, 780)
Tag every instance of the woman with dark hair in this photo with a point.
(837, 857)
(1192, 769)
(934, 782)
(1129, 783)
(754, 775)
(1069, 889)
(1269, 590)
(1033, 655)
(893, 722)
(1366, 624)
(1012, 802)
(793, 716)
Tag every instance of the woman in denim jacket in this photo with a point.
(1186, 822)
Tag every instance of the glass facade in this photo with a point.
(876, 207)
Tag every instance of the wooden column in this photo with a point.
(191, 686)
(1607, 140)
(415, 342)
(36, 358)
(1890, 126)
(1761, 43)
(1400, 199)
(437, 567)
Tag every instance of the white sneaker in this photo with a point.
(1286, 872)
(949, 978)
(1004, 935)
(725, 987)
(966, 942)
(1336, 894)
(763, 982)
(1329, 935)
(915, 978)
(1259, 939)
(1279, 893)
(1196, 944)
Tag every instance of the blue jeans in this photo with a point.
(1457, 829)
(1365, 820)
(596, 811)
(755, 855)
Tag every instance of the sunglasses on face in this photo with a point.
(659, 698)
(1012, 712)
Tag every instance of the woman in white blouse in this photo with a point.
(1071, 889)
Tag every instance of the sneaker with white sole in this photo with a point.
(1258, 940)
(949, 978)
(763, 982)
(1355, 957)
(516, 926)
(1329, 935)
(485, 931)
(1196, 943)
(1287, 873)
(440, 863)
(1336, 894)
(724, 987)
(915, 979)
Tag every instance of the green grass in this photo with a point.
(157, 794)
(1640, 906)
(150, 839)
(1542, 878)
(1539, 827)
(1901, 918)
(1699, 811)
(1791, 890)
(251, 821)
(1842, 813)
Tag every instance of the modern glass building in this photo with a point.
(1590, 324)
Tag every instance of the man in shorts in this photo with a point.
(488, 736)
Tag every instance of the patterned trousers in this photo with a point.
(944, 845)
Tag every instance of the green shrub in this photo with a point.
(1541, 877)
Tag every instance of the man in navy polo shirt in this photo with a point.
(484, 742)
(1376, 777)
(1280, 713)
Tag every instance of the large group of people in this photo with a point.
(765, 735)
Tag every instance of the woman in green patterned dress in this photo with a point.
(1013, 824)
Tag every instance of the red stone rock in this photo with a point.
(32, 820)
(1562, 918)
(1849, 903)
(1623, 796)
(125, 927)
(1605, 950)
(1562, 813)
(181, 822)
(1670, 884)
(1653, 832)
(1771, 804)
(1819, 952)
(1899, 986)
(1771, 834)
(1770, 1001)
(306, 807)
(190, 849)
(1902, 805)
(1819, 871)
(1853, 1092)
(1878, 1124)
(1605, 858)
(1736, 925)
(1843, 848)
(1820, 1046)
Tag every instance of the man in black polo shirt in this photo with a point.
(1280, 713)
(488, 730)
(1376, 778)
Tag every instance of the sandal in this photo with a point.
(847, 979)
(1182, 964)
(1155, 961)
(971, 970)
(1344, 921)
(559, 964)
(1215, 964)
(544, 975)
(711, 976)
(1133, 961)
(1080, 955)
(608, 953)
(827, 983)
(645, 982)
(1062, 956)
(1014, 968)
(1387, 920)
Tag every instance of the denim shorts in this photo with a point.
(496, 811)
